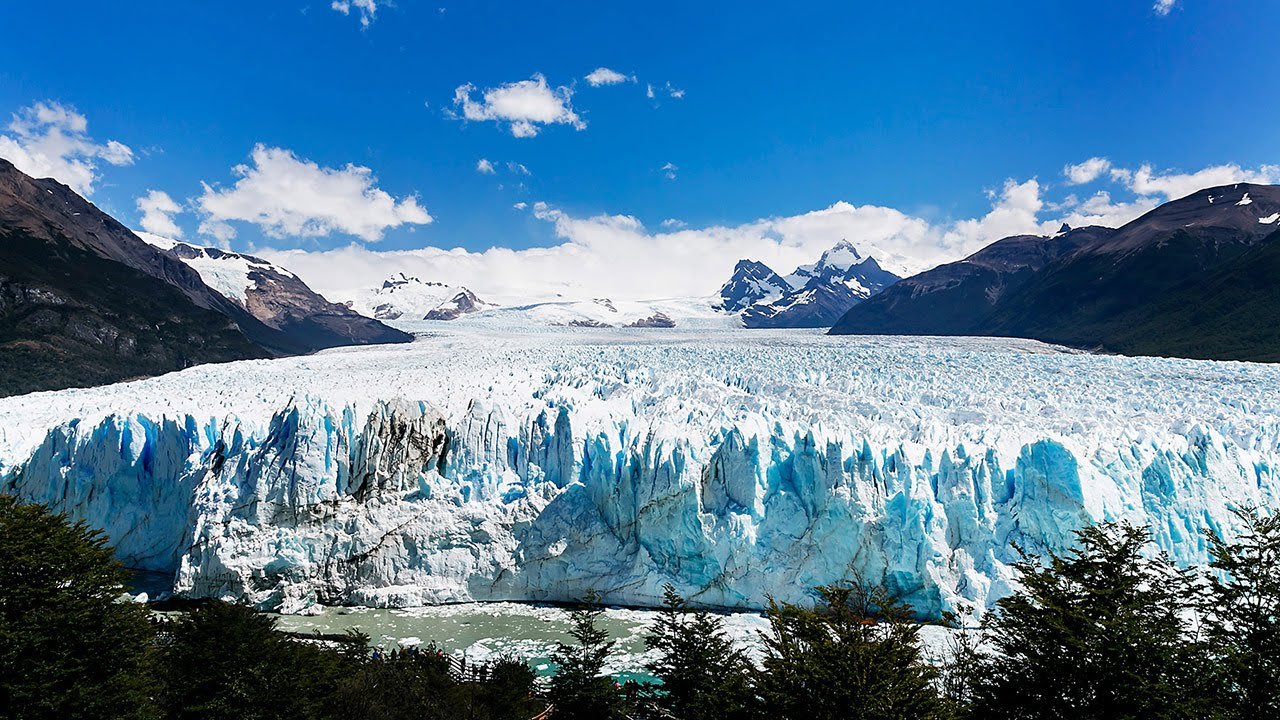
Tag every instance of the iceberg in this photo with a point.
(478, 465)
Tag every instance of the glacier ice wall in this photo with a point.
(400, 502)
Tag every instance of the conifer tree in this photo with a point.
(704, 677)
(69, 648)
(1243, 616)
(1101, 632)
(579, 690)
(855, 656)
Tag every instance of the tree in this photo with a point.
(704, 677)
(1100, 632)
(228, 661)
(1242, 616)
(856, 655)
(579, 690)
(69, 648)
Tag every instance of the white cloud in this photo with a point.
(1173, 185)
(526, 105)
(648, 91)
(484, 167)
(158, 210)
(669, 171)
(1014, 212)
(288, 196)
(674, 92)
(671, 223)
(52, 140)
(1100, 209)
(1087, 171)
(1164, 7)
(605, 76)
(367, 9)
(617, 256)
(520, 205)
(518, 168)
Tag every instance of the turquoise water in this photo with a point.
(483, 631)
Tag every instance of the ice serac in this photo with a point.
(405, 503)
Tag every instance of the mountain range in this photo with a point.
(1192, 278)
(813, 296)
(85, 301)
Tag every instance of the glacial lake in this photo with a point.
(482, 631)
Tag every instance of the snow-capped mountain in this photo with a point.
(276, 297)
(752, 282)
(814, 295)
(404, 297)
(537, 465)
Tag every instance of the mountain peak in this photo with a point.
(841, 255)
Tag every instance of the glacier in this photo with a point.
(483, 464)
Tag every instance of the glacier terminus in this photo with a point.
(535, 464)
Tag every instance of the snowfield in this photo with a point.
(482, 463)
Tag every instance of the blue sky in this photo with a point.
(759, 111)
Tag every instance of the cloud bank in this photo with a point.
(617, 256)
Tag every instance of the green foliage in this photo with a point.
(704, 677)
(1242, 617)
(856, 655)
(1101, 632)
(421, 684)
(68, 648)
(580, 690)
(228, 661)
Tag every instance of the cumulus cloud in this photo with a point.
(605, 76)
(669, 171)
(366, 9)
(287, 196)
(158, 210)
(673, 91)
(517, 168)
(1087, 171)
(1014, 211)
(525, 106)
(1164, 7)
(48, 139)
(484, 167)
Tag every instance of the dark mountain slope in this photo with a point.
(1187, 279)
(955, 298)
(71, 318)
(1117, 294)
(84, 301)
(1229, 314)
